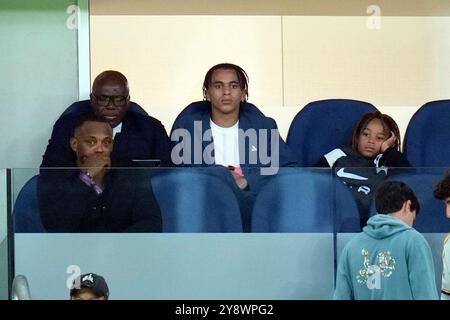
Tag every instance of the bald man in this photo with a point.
(136, 135)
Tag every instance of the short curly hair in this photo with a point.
(391, 195)
(442, 190)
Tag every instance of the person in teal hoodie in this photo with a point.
(389, 259)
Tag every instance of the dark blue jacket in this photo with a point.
(249, 118)
(142, 137)
(127, 204)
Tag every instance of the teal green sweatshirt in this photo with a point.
(388, 260)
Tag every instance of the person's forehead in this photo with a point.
(110, 85)
(85, 293)
(93, 128)
(220, 74)
(374, 125)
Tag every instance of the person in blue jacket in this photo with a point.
(137, 136)
(389, 259)
(231, 134)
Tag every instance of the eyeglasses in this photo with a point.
(103, 100)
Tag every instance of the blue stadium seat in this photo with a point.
(428, 134)
(296, 200)
(191, 200)
(347, 217)
(27, 218)
(322, 126)
(84, 106)
(432, 217)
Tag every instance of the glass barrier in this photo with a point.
(216, 243)
(4, 268)
(191, 264)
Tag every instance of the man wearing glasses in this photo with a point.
(137, 136)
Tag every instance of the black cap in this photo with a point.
(92, 281)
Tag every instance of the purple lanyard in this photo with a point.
(88, 179)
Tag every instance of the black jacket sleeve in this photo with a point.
(394, 158)
(322, 163)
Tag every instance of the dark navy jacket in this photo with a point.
(142, 137)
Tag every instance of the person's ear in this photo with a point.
(74, 144)
(207, 97)
(407, 206)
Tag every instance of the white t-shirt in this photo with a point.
(226, 144)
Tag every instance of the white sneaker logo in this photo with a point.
(342, 174)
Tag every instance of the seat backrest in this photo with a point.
(322, 126)
(191, 200)
(84, 106)
(432, 217)
(199, 107)
(428, 134)
(26, 213)
(347, 217)
(296, 200)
